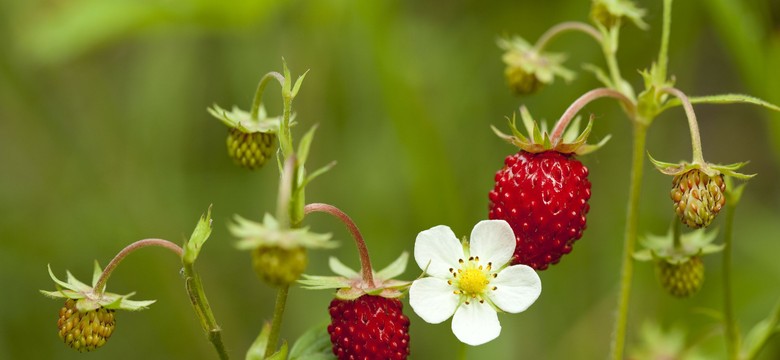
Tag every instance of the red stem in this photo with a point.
(365, 261)
(583, 100)
(126, 251)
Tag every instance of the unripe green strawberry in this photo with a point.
(521, 81)
(698, 197)
(609, 13)
(250, 150)
(85, 331)
(279, 266)
(681, 280)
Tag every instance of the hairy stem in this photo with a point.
(259, 92)
(698, 157)
(101, 283)
(663, 54)
(632, 219)
(732, 335)
(283, 210)
(583, 100)
(276, 324)
(365, 260)
(202, 308)
(563, 27)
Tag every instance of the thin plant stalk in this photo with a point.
(276, 324)
(563, 27)
(732, 334)
(629, 244)
(200, 303)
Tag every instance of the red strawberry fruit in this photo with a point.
(369, 327)
(544, 197)
(543, 192)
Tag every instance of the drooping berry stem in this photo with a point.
(365, 260)
(556, 30)
(583, 100)
(260, 88)
(698, 158)
(101, 283)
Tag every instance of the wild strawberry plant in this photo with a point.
(537, 211)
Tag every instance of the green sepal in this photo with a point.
(197, 239)
(242, 120)
(339, 268)
(314, 344)
(544, 66)
(88, 299)
(572, 142)
(395, 268)
(280, 354)
(662, 247)
(712, 170)
(733, 193)
(350, 284)
(298, 83)
(253, 235)
(723, 99)
(257, 349)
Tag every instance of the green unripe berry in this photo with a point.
(278, 266)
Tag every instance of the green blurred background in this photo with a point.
(104, 139)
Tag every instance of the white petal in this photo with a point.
(432, 299)
(517, 287)
(439, 250)
(493, 241)
(476, 323)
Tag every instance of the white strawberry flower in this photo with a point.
(471, 280)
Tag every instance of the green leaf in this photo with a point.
(257, 350)
(724, 99)
(316, 173)
(396, 268)
(599, 73)
(305, 145)
(757, 337)
(313, 344)
(298, 83)
(198, 237)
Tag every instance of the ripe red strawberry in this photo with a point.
(544, 197)
(369, 327)
(543, 192)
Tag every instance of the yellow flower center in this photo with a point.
(473, 281)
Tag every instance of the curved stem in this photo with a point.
(583, 100)
(260, 88)
(556, 30)
(632, 217)
(365, 260)
(698, 158)
(276, 324)
(101, 283)
(732, 336)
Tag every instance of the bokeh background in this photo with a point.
(104, 139)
